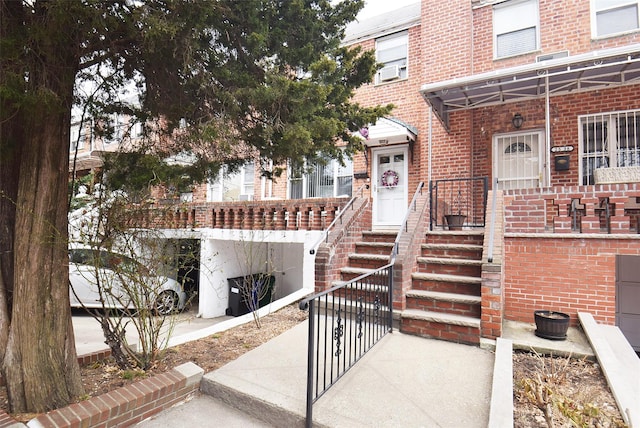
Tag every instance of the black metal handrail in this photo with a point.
(344, 323)
(403, 226)
(325, 233)
(462, 197)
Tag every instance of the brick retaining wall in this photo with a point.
(124, 406)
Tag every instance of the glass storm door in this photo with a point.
(389, 187)
(517, 160)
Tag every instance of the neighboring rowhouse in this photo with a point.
(519, 118)
(537, 101)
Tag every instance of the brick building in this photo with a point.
(522, 116)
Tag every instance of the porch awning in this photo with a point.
(388, 130)
(585, 72)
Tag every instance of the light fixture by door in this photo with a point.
(517, 120)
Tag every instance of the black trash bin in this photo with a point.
(237, 304)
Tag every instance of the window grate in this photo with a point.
(608, 140)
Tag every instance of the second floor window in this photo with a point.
(515, 28)
(392, 51)
(614, 16)
(608, 140)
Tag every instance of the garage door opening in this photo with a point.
(187, 263)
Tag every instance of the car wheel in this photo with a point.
(166, 302)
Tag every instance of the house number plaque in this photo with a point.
(561, 149)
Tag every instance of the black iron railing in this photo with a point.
(461, 199)
(404, 228)
(344, 323)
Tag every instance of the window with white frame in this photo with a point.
(392, 51)
(321, 180)
(614, 16)
(608, 140)
(237, 186)
(76, 138)
(515, 28)
(116, 130)
(137, 130)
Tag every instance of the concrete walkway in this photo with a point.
(403, 381)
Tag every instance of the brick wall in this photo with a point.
(567, 274)
(333, 254)
(564, 271)
(564, 26)
(124, 406)
(409, 107)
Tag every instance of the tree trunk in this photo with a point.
(40, 366)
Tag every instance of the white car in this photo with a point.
(118, 275)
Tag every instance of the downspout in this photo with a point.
(430, 142)
(473, 145)
(547, 142)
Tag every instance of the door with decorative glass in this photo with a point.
(389, 187)
(518, 160)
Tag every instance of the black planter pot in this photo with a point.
(455, 221)
(551, 325)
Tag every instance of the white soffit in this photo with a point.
(578, 73)
(388, 131)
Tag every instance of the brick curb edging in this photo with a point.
(124, 406)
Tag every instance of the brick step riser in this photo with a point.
(454, 239)
(368, 297)
(446, 287)
(347, 276)
(452, 253)
(464, 270)
(367, 264)
(449, 332)
(388, 239)
(378, 250)
(466, 309)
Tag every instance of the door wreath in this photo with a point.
(390, 178)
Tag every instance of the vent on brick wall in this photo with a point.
(389, 72)
(548, 57)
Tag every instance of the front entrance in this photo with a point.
(389, 190)
(518, 160)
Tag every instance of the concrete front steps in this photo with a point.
(444, 301)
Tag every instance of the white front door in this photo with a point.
(518, 160)
(389, 186)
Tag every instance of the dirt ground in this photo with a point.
(581, 381)
(561, 392)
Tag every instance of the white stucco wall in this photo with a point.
(226, 254)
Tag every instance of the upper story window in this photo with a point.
(392, 51)
(608, 140)
(516, 28)
(614, 16)
(321, 180)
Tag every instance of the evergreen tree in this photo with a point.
(260, 77)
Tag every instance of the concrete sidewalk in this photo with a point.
(403, 381)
